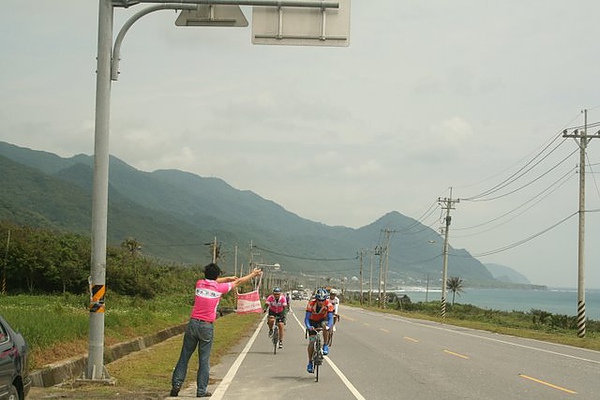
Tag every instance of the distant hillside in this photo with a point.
(506, 274)
(174, 214)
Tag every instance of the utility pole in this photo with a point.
(371, 277)
(5, 263)
(235, 260)
(447, 204)
(583, 141)
(388, 234)
(379, 252)
(361, 275)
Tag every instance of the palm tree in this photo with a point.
(455, 285)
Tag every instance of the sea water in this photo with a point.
(554, 300)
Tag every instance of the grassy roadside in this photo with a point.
(147, 374)
(510, 323)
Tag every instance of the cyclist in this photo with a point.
(335, 300)
(277, 306)
(319, 314)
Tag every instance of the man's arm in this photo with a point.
(225, 279)
(244, 279)
(307, 320)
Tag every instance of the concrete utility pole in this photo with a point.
(447, 204)
(388, 233)
(379, 252)
(583, 140)
(361, 275)
(371, 277)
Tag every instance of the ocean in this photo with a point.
(554, 300)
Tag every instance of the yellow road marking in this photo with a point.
(348, 318)
(366, 324)
(411, 339)
(385, 330)
(456, 354)
(547, 384)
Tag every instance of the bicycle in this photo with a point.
(317, 357)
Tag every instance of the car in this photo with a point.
(15, 381)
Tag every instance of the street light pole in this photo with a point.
(105, 73)
(95, 367)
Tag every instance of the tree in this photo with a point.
(455, 285)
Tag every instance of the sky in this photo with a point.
(429, 95)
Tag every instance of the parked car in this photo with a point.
(15, 381)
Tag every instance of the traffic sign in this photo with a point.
(302, 26)
(213, 15)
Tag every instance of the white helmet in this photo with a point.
(333, 291)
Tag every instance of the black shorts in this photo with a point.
(279, 317)
(317, 324)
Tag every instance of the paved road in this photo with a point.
(379, 356)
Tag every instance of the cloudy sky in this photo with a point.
(429, 95)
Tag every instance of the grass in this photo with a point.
(64, 331)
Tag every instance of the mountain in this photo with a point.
(174, 214)
(506, 274)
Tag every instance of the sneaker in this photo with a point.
(325, 349)
(206, 394)
(280, 344)
(174, 391)
(270, 332)
(309, 367)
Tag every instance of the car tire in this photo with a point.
(13, 393)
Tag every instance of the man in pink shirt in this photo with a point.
(199, 331)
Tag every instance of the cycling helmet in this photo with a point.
(321, 294)
(276, 290)
(333, 291)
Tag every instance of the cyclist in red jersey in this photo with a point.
(319, 314)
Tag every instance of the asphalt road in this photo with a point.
(380, 356)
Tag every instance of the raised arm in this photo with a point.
(238, 281)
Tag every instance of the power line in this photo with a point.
(520, 242)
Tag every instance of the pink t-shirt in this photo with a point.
(275, 305)
(206, 301)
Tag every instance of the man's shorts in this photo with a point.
(279, 317)
(317, 324)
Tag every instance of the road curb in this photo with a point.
(54, 374)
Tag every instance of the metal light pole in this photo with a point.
(107, 69)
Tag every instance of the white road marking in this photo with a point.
(339, 373)
(224, 385)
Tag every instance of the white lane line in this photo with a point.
(224, 385)
(339, 373)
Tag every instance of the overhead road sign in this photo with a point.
(213, 15)
(302, 26)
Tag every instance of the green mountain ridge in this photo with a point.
(174, 214)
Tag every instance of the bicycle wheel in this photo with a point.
(275, 338)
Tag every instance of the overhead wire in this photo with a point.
(554, 186)
(523, 241)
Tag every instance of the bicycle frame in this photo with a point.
(317, 357)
